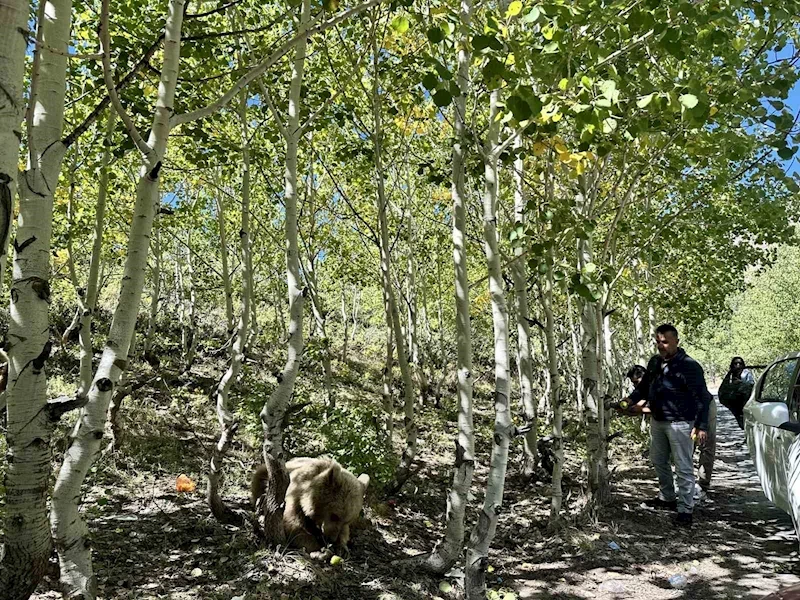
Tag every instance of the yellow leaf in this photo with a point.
(514, 9)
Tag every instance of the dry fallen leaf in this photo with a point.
(184, 484)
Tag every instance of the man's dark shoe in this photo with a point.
(662, 504)
(683, 520)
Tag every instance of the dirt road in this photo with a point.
(740, 546)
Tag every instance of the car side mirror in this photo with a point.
(774, 414)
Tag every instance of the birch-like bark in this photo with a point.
(417, 370)
(69, 529)
(575, 335)
(92, 287)
(155, 294)
(388, 364)
(345, 323)
(484, 530)
(638, 334)
(449, 549)
(190, 301)
(597, 482)
(223, 254)
(13, 42)
(404, 469)
(525, 358)
(275, 408)
(30, 421)
(227, 420)
(555, 398)
(317, 309)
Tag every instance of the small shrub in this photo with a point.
(351, 437)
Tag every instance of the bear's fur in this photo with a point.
(321, 502)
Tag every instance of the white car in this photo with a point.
(772, 427)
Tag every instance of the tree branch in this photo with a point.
(105, 48)
(259, 69)
(103, 104)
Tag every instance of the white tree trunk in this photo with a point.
(404, 469)
(223, 253)
(575, 335)
(484, 530)
(597, 483)
(449, 549)
(275, 408)
(555, 398)
(13, 42)
(638, 334)
(29, 420)
(190, 301)
(227, 420)
(69, 529)
(386, 392)
(524, 353)
(92, 288)
(155, 294)
(345, 323)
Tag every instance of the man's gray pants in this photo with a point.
(673, 438)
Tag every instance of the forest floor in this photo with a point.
(149, 541)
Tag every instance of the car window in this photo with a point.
(777, 381)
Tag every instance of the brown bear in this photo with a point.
(321, 502)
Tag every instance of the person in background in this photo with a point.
(708, 450)
(674, 387)
(735, 389)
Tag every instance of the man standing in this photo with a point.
(675, 390)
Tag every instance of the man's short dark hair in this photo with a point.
(667, 328)
(636, 372)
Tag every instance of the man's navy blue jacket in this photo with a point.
(676, 390)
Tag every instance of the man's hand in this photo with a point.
(699, 436)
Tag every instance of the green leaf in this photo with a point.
(532, 16)
(607, 87)
(435, 35)
(481, 42)
(430, 81)
(645, 101)
(519, 107)
(514, 8)
(400, 24)
(786, 153)
(493, 69)
(442, 98)
(688, 100)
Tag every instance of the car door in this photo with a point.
(792, 441)
(769, 446)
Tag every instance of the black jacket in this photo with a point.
(677, 391)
